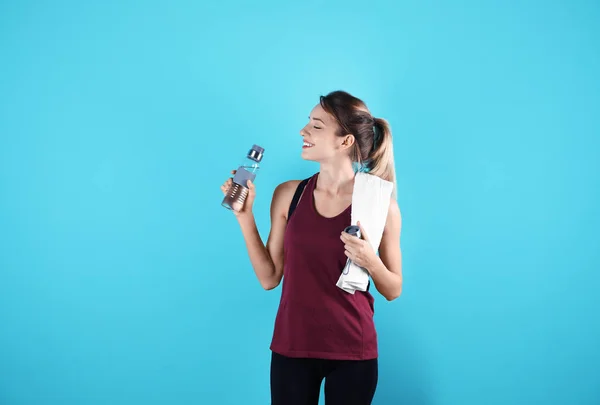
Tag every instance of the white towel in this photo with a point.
(370, 203)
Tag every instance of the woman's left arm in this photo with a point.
(385, 269)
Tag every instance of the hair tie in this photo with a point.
(375, 137)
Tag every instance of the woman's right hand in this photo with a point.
(247, 207)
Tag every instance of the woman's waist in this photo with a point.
(324, 326)
(330, 301)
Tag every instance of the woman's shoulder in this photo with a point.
(284, 192)
(287, 188)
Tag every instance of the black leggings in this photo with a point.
(297, 381)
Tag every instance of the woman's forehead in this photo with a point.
(319, 112)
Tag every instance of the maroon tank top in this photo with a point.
(317, 319)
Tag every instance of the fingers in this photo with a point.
(350, 239)
(350, 254)
(350, 250)
(357, 255)
(354, 247)
(251, 191)
(363, 234)
(225, 186)
(251, 195)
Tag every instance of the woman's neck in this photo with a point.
(336, 179)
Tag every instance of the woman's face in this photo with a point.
(319, 135)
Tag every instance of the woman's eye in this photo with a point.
(315, 127)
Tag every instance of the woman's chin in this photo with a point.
(310, 155)
(306, 155)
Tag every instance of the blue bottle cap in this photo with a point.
(256, 153)
(352, 230)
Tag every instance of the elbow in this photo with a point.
(270, 278)
(391, 296)
(270, 283)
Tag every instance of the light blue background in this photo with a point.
(122, 279)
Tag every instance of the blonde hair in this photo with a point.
(382, 158)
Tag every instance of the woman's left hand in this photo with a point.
(359, 250)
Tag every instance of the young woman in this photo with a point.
(321, 331)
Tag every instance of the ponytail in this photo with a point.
(381, 159)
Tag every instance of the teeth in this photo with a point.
(308, 144)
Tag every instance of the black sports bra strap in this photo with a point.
(296, 197)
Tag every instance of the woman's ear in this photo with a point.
(348, 141)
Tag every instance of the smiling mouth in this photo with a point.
(307, 145)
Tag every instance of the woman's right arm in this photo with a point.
(267, 261)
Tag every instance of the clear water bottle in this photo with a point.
(237, 193)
